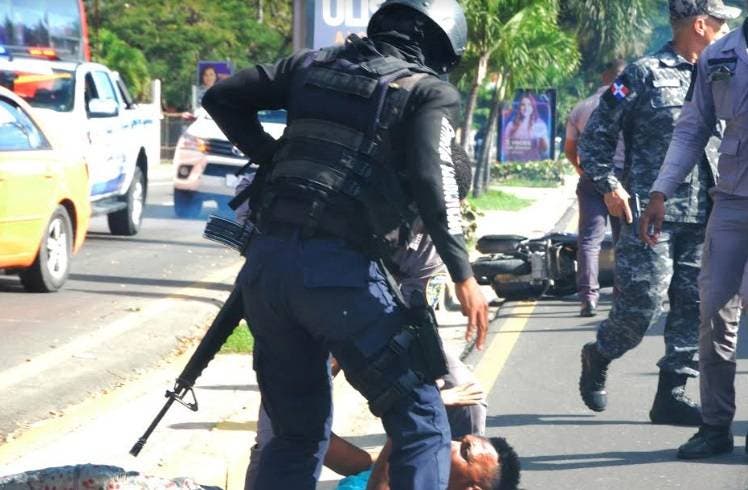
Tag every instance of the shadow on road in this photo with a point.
(514, 420)
(146, 281)
(105, 237)
(618, 458)
(229, 387)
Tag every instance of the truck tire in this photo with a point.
(187, 204)
(52, 264)
(127, 221)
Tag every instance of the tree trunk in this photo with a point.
(467, 124)
(260, 11)
(493, 122)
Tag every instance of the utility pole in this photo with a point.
(300, 23)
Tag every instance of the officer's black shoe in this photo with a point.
(709, 441)
(671, 404)
(589, 309)
(592, 380)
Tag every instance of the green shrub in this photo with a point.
(526, 173)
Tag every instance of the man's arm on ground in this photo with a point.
(380, 477)
(346, 459)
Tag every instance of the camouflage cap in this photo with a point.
(680, 9)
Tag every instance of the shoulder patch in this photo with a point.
(618, 91)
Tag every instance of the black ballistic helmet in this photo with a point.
(446, 15)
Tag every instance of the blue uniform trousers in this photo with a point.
(306, 298)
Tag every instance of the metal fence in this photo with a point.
(172, 127)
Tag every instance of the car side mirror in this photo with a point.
(102, 108)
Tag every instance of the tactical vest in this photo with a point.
(336, 170)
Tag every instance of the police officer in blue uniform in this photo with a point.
(367, 148)
(717, 95)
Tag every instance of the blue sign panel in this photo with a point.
(334, 20)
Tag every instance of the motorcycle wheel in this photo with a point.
(485, 268)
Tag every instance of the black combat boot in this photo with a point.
(592, 380)
(710, 440)
(671, 404)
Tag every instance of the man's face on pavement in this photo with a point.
(474, 460)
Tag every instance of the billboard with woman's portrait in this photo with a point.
(208, 73)
(526, 129)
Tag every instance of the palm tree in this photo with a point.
(529, 50)
(484, 26)
(609, 29)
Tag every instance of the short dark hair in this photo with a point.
(612, 69)
(509, 465)
(463, 170)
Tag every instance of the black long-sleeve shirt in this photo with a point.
(427, 131)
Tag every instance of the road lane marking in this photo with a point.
(494, 358)
(52, 359)
(496, 355)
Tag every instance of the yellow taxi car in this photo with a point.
(44, 200)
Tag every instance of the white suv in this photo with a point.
(205, 163)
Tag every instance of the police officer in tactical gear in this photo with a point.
(367, 148)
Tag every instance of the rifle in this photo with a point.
(231, 313)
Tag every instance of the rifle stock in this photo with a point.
(223, 325)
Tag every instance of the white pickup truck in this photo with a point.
(90, 108)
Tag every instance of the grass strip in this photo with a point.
(496, 200)
(239, 342)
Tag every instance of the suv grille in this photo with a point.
(223, 148)
(219, 170)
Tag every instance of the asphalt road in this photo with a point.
(129, 303)
(535, 404)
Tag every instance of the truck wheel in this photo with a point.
(52, 264)
(127, 221)
(187, 204)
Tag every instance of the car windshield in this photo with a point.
(48, 90)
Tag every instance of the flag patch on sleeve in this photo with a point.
(619, 89)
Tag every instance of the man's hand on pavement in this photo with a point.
(652, 217)
(463, 395)
(617, 202)
(475, 308)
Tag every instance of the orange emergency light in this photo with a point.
(49, 53)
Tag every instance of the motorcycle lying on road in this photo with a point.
(517, 267)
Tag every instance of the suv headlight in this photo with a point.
(189, 142)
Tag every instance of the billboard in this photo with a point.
(333, 20)
(208, 73)
(527, 124)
